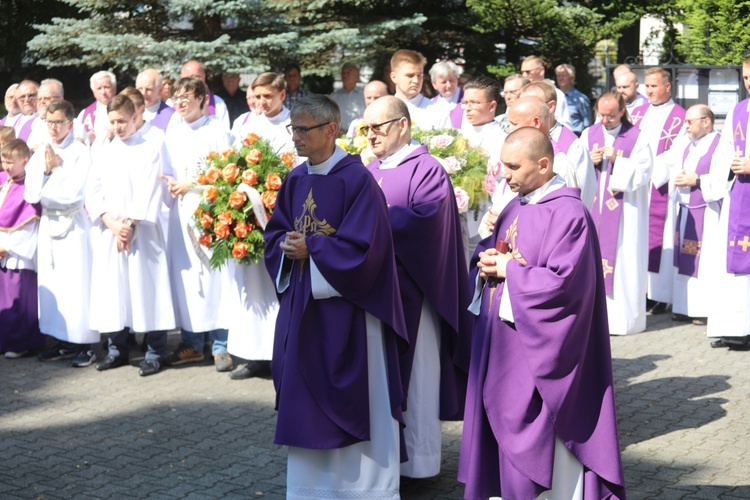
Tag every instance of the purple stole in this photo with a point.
(567, 137)
(657, 210)
(638, 112)
(607, 216)
(457, 113)
(3, 120)
(15, 212)
(211, 104)
(163, 114)
(89, 117)
(738, 249)
(25, 131)
(686, 260)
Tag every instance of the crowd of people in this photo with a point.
(380, 311)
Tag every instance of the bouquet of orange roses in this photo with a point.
(240, 195)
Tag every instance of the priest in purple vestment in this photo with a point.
(426, 236)
(340, 330)
(540, 409)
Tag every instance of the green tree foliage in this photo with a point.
(715, 31)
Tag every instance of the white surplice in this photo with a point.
(579, 158)
(426, 114)
(626, 308)
(64, 251)
(128, 288)
(196, 288)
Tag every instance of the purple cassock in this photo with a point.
(162, 117)
(19, 323)
(427, 236)
(549, 374)
(320, 348)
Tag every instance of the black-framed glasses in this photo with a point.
(302, 131)
(56, 123)
(472, 104)
(699, 119)
(182, 97)
(376, 128)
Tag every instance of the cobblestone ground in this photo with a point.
(194, 433)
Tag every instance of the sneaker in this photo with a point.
(84, 358)
(148, 367)
(56, 353)
(15, 354)
(184, 354)
(223, 362)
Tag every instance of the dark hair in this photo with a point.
(65, 106)
(191, 84)
(121, 103)
(490, 86)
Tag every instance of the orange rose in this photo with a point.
(213, 174)
(269, 199)
(242, 229)
(211, 193)
(206, 220)
(250, 177)
(228, 153)
(288, 159)
(212, 155)
(230, 172)
(226, 218)
(239, 250)
(273, 181)
(202, 179)
(250, 139)
(221, 231)
(253, 157)
(206, 239)
(237, 199)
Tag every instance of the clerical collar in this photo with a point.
(65, 142)
(551, 185)
(154, 108)
(490, 124)
(668, 101)
(197, 123)
(325, 167)
(415, 101)
(614, 130)
(396, 158)
(452, 99)
(280, 117)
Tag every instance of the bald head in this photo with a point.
(529, 111)
(626, 83)
(374, 90)
(11, 105)
(193, 69)
(389, 126)
(149, 84)
(528, 159)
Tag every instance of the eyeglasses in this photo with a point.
(609, 117)
(690, 122)
(25, 97)
(50, 98)
(528, 71)
(503, 93)
(182, 98)
(302, 131)
(57, 123)
(472, 104)
(376, 128)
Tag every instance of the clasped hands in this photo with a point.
(294, 246)
(608, 152)
(493, 264)
(122, 231)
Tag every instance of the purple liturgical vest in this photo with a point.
(657, 211)
(15, 212)
(607, 215)
(89, 116)
(163, 115)
(687, 258)
(457, 113)
(25, 131)
(567, 136)
(638, 113)
(211, 104)
(738, 236)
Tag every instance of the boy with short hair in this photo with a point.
(19, 220)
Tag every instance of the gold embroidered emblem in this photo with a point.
(744, 243)
(308, 224)
(691, 247)
(510, 236)
(738, 131)
(606, 268)
(671, 133)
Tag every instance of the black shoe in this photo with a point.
(149, 367)
(111, 362)
(84, 358)
(737, 343)
(240, 373)
(660, 308)
(57, 352)
(716, 344)
(681, 317)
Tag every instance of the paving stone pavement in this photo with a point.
(191, 432)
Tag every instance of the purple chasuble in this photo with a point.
(607, 216)
(687, 259)
(567, 137)
(89, 117)
(549, 374)
(320, 348)
(162, 117)
(638, 113)
(14, 211)
(423, 213)
(738, 236)
(657, 210)
(25, 131)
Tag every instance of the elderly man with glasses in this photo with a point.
(50, 90)
(340, 329)
(532, 67)
(26, 95)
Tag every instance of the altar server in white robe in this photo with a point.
(130, 288)
(407, 73)
(56, 177)
(197, 289)
(623, 160)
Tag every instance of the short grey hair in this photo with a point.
(57, 83)
(320, 106)
(103, 74)
(442, 69)
(567, 67)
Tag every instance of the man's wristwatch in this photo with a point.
(128, 222)
(698, 182)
